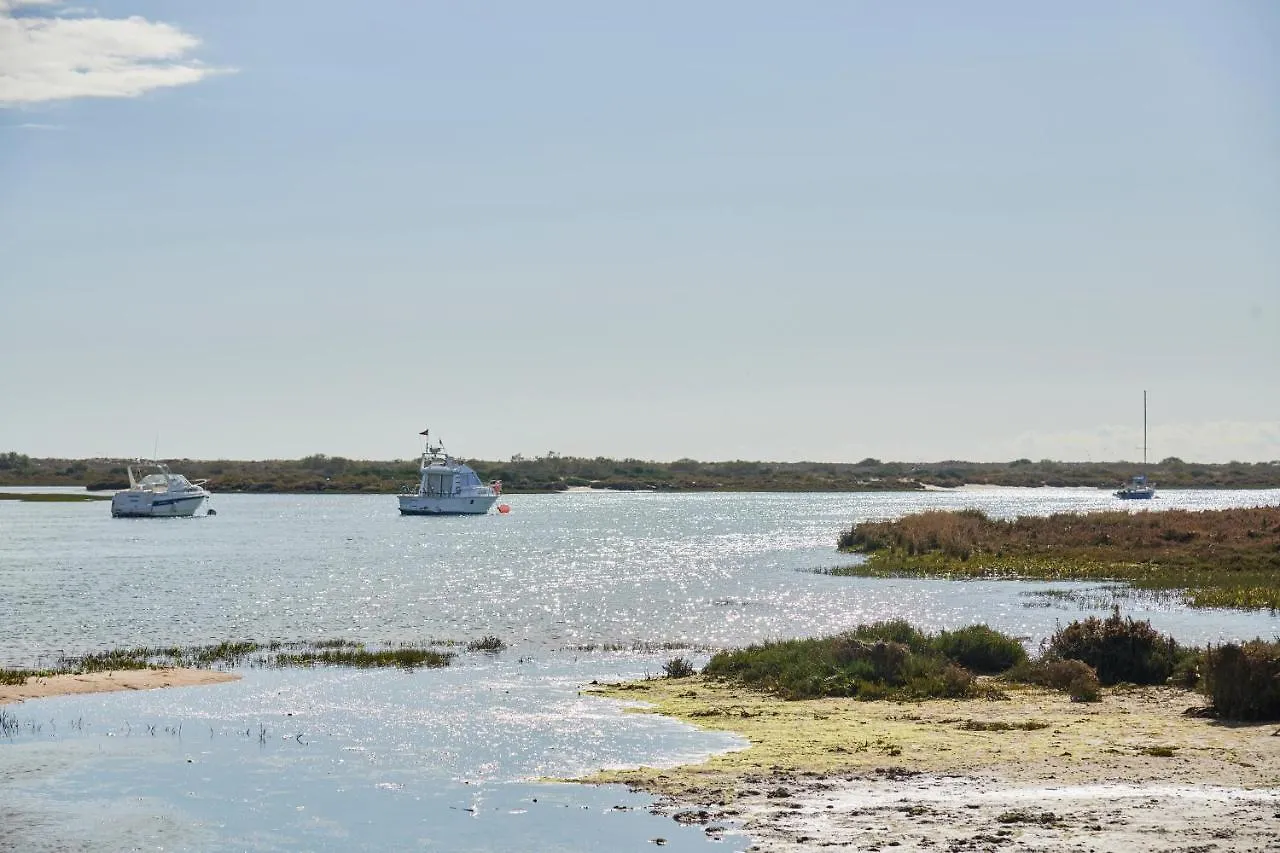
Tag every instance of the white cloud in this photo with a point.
(45, 57)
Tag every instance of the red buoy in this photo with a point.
(503, 508)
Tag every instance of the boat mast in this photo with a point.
(1144, 431)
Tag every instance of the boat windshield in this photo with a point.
(438, 483)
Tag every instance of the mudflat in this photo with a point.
(1142, 769)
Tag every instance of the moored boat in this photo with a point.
(1138, 488)
(447, 486)
(156, 492)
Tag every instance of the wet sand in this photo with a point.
(1033, 771)
(40, 687)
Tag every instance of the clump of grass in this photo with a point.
(20, 676)
(405, 658)
(226, 653)
(138, 658)
(678, 667)
(334, 652)
(487, 643)
(881, 660)
(1119, 650)
(1243, 680)
(333, 643)
(980, 649)
(1028, 816)
(1001, 726)
(1159, 751)
(1073, 677)
(893, 631)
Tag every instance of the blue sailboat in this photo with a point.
(1138, 488)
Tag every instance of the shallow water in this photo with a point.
(350, 760)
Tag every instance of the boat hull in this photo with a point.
(452, 505)
(146, 505)
(1136, 494)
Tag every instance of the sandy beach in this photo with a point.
(101, 682)
(1141, 770)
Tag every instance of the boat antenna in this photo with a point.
(426, 438)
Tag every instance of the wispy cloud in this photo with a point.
(37, 125)
(46, 57)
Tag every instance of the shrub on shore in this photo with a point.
(678, 667)
(1074, 677)
(893, 660)
(1243, 680)
(1119, 650)
(980, 649)
(881, 660)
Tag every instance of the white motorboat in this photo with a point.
(447, 486)
(156, 492)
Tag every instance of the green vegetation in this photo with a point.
(894, 660)
(1221, 558)
(330, 652)
(20, 676)
(980, 649)
(678, 667)
(882, 660)
(1244, 680)
(52, 498)
(405, 658)
(1119, 650)
(553, 472)
(486, 643)
(1075, 678)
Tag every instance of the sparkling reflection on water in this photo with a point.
(335, 759)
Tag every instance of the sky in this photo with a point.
(718, 230)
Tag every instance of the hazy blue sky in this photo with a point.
(715, 229)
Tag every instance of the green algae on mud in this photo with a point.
(1031, 733)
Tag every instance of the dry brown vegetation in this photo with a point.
(1228, 557)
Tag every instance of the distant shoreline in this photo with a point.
(103, 494)
(321, 474)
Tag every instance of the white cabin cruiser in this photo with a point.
(447, 486)
(156, 492)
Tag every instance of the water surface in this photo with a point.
(581, 586)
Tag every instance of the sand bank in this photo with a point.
(1033, 771)
(101, 682)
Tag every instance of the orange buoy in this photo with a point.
(504, 509)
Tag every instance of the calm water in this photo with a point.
(445, 759)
